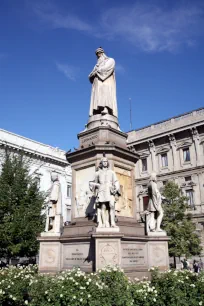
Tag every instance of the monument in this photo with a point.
(104, 228)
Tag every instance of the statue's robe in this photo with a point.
(55, 198)
(155, 199)
(104, 86)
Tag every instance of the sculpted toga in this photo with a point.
(103, 95)
(107, 189)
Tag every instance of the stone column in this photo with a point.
(173, 145)
(196, 140)
(153, 154)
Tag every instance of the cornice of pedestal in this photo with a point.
(91, 151)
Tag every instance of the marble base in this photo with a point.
(107, 230)
(103, 120)
(136, 255)
(50, 234)
(157, 234)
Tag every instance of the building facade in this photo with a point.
(43, 160)
(174, 150)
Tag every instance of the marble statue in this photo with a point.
(102, 77)
(54, 206)
(155, 212)
(107, 190)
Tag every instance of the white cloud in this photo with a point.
(145, 26)
(53, 16)
(69, 71)
(152, 28)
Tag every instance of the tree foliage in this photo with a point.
(178, 223)
(21, 204)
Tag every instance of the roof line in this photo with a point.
(158, 122)
(35, 141)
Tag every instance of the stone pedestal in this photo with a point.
(107, 250)
(136, 255)
(83, 245)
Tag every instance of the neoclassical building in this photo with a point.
(43, 159)
(174, 149)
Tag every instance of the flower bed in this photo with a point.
(108, 287)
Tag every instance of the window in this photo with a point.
(189, 194)
(144, 164)
(145, 202)
(164, 183)
(188, 178)
(69, 191)
(186, 155)
(164, 160)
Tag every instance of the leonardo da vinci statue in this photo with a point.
(102, 77)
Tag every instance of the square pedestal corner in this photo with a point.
(107, 229)
(50, 234)
(157, 234)
(78, 254)
(158, 255)
(108, 252)
(49, 260)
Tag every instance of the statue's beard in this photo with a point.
(102, 58)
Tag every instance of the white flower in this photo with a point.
(81, 300)
(192, 285)
(74, 297)
(200, 303)
(61, 295)
(89, 295)
(154, 299)
(26, 302)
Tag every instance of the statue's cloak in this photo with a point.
(104, 87)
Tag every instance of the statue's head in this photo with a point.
(54, 176)
(99, 52)
(104, 163)
(153, 177)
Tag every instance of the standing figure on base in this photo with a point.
(107, 189)
(102, 77)
(155, 212)
(54, 209)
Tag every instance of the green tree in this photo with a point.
(178, 224)
(21, 204)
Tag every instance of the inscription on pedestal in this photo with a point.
(88, 139)
(134, 254)
(77, 255)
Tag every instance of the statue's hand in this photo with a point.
(91, 77)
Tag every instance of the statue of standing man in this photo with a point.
(107, 189)
(102, 77)
(54, 206)
(155, 211)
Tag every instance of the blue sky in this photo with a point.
(47, 51)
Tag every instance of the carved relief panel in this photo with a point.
(84, 199)
(124, 206)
